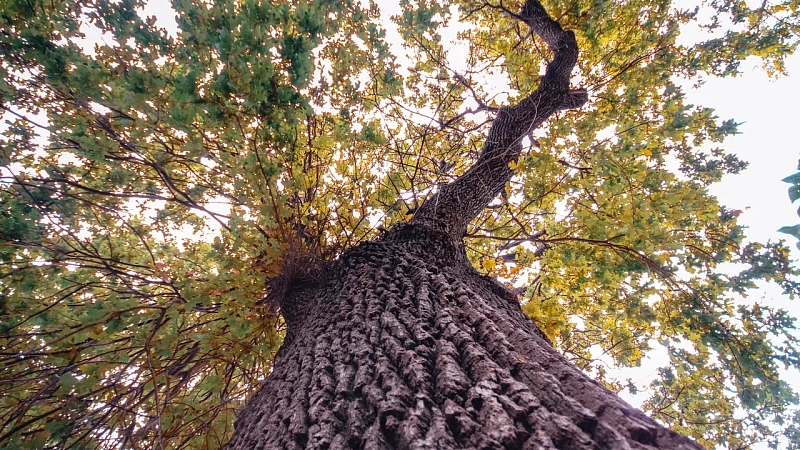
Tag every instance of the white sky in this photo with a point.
(768, 142)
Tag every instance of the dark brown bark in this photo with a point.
(401, 344)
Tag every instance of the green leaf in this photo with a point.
(794, 230)
(795, 178)
(794, 193)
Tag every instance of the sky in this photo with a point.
(765, 108)
(767, 141)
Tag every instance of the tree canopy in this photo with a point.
(152, 184)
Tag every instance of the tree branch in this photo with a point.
(457, 203)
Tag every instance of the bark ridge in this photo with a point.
(406, 346)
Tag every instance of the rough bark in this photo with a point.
(401, 344)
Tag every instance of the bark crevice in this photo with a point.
(408, 347)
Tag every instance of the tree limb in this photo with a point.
(457, 203)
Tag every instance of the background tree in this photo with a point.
(152, 183)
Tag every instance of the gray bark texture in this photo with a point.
(401, 344)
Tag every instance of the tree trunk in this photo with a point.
(401, 344)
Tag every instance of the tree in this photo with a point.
(404, 345)
(153, 183)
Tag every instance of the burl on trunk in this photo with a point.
(401, 344)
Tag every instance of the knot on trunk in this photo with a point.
(300, 273)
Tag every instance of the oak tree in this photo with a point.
(179, 206)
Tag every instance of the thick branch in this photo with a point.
(457, 203)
